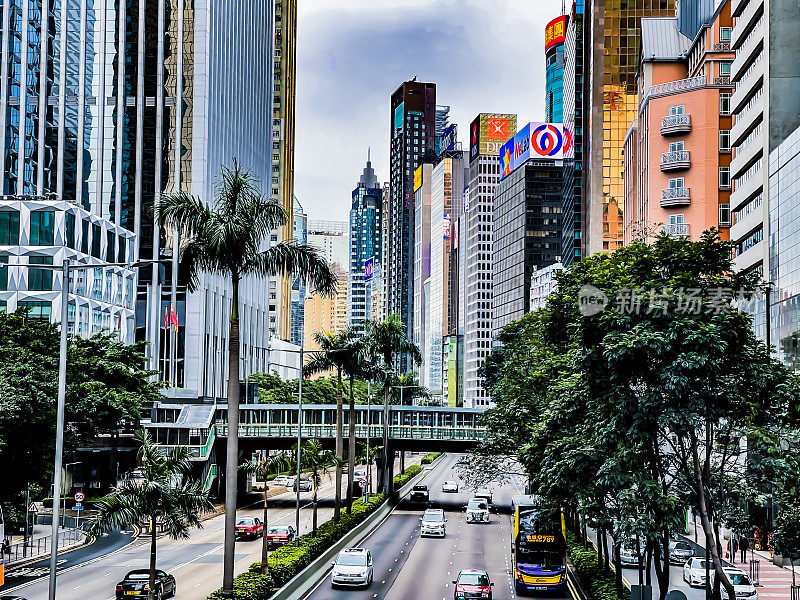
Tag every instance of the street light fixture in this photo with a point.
(65, 268)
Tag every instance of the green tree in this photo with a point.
(387, 339)
(163, 496)
(316, 461)
(406, 388)
(227, 239)
(261, 467)
(786, 536)
(334, 353)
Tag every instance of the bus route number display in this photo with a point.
(541, 538)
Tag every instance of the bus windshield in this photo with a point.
(540, 540)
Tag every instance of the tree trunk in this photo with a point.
(618, 569)
(264, 546)
(151, 594)
(232, 445)
(351, 449)
(314, 515)
(387, 480)
(337, 507)
(600, 548)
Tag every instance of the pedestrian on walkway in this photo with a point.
(734, 547)
(6, 547)
(743, 547)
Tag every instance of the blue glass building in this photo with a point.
(554, 69)
(573, 118)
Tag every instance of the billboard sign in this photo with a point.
(418, 178)
(555, 32)
(368, 266)
(448, 139)
(544, 141)
(488, 132)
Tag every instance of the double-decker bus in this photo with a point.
(539, 549)
(2, 547)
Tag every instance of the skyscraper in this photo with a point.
(422, 266)
(365, 245)
(300, 235)
(412, 133)
(329, 238)
(137, 99)
(612, 33)
(488, 133)
(554, 36)
(283, 109)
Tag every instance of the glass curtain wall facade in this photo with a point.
(126, 100)
(299, 289)
(615, 42)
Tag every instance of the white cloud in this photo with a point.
(484, 55)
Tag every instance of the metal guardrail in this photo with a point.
(676, 229)
(674, 193)
(675, 120)
(212, 472)
(405, 432)
(677, 156)
(40, 546)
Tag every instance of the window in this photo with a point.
(40, 280)
(725, 140)
(676, 219)
(84, 236)
(36, 308)
(9, 228)
(724, 34)
(4, 272)
(725, 68)
(676, 182)
(676, 110)
(42, 228)
(724, 103)
(724, 214)
(121, 251)
(109, 246)
(725, 177)
(96, 240)
(676, 146)
(69, 230)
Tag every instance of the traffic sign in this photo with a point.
(78, 507)
(80, 497)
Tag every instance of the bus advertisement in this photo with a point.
(3, 545)
(539, 551)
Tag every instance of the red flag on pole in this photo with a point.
(166, 319)
(173, 318)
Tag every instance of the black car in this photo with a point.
(136, 585)
(419, 493)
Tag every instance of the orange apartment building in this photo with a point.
(678, 152)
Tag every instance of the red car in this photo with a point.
(472, 583)
(249, 528)
(278, 535)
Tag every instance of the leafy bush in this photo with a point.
(248, 586)
(430, 457)
(401, 480)
(598, 583)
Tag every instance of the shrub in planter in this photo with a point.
(430, 457)
(401, 480)
(597, 582)
(249, 586)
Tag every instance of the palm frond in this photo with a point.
(182, 211)
(293, 259)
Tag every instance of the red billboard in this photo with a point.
(555, 32)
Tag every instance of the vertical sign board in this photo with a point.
(448, 139)
(555, 32)
(488, 132)
(368, 266)
(398, 117)
(418, 178)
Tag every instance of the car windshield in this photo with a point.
(245, 521)
(420, 488)
(278, 530)
(477, 505)
(473, 579)
(433, 517)
(682, 546)
(699, 564)
(738, 579)
(549, 561)
(352, 560)
(138, 575)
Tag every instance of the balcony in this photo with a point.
(676, 229)
(722, 47)
(749, 51)
(745, 22)
(672, 124)
(675, 161)
(748, 86)
(675, 197)
(723, 80)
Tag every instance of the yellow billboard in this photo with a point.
(418, 178)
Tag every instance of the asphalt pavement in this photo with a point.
(408, 567)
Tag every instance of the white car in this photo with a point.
(450, 486)
(628, 557)
(477, 511)
(742, 585)
(283, 480)
(694, 571)
(353, 568)
(432, 522)
(484, 493)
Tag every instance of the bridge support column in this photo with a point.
(402, 461)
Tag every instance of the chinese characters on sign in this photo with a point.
(686, 301)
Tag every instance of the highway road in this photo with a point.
(196, 563)
(409, 567)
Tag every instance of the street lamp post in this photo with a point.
(299, 442)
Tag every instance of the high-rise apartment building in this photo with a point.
(412, 133)
(103, 108)
(283, 109)
(365, 245)
(442, 123)
(300, 235)
(325, 314)
(574, 111)
(488, 132)
(422, 266)
(678, 151)
(554, 36)
(330, 239)
(612, 32)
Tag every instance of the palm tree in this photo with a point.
(360, 362)
(227, 239)
(261, 467)
(162, 495)
(406, 388)
(334, 352)
(386, 338)
(315, 460)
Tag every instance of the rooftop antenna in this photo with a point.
(368, 149)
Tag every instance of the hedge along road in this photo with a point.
(407, 567)
(196, 563)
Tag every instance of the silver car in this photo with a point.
(680, 551)
(628, 557)
(353, 568)
(433, 522)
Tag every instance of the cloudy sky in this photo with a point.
(483, 55)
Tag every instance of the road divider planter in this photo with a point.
(295, 569)
(596, 582)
